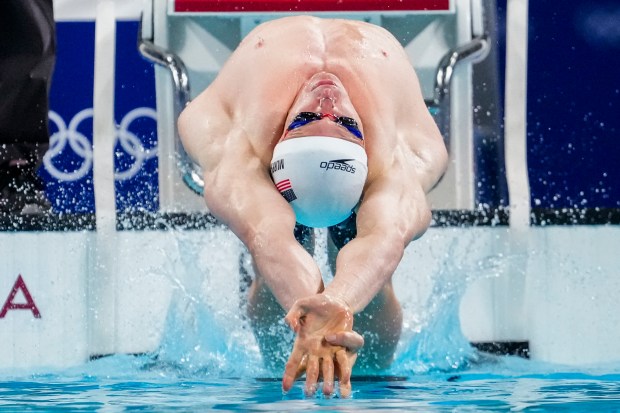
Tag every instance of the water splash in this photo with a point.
(206, 333)
(434, 340)
(438, 343)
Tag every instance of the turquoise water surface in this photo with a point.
(126, 383)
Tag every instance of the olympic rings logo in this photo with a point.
(70, 138)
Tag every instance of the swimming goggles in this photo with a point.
(306, 117)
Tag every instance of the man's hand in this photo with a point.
(326, 344)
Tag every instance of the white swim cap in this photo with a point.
(321, 177)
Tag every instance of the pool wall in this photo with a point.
(561, 297)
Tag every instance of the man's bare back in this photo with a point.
(347, 68)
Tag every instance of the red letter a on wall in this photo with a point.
(28, 305)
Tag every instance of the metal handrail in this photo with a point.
(190, 171)
(474, 51)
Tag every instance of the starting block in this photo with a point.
(191, 39)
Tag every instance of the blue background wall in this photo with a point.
(72, 92)
(574, 103)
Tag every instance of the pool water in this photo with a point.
(128, 383)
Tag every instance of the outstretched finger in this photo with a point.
(312, 375)
(328, 376)
(350, 340)
(291, 369)
(345, 373)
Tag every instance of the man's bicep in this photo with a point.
(247, 201)
(204, 126)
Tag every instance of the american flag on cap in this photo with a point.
(286, 189)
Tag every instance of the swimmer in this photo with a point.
(297, 91)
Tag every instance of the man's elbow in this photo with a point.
(184, 127)
(442, 158)
(438, 159)
(424, 218)
(435, 160)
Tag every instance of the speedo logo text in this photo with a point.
(338, 165)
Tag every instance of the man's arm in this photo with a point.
(363, 267)
(386, 222)
(394, 211)
(239, 192)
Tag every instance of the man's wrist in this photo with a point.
(336, 296)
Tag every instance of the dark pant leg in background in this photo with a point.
(27, 57)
